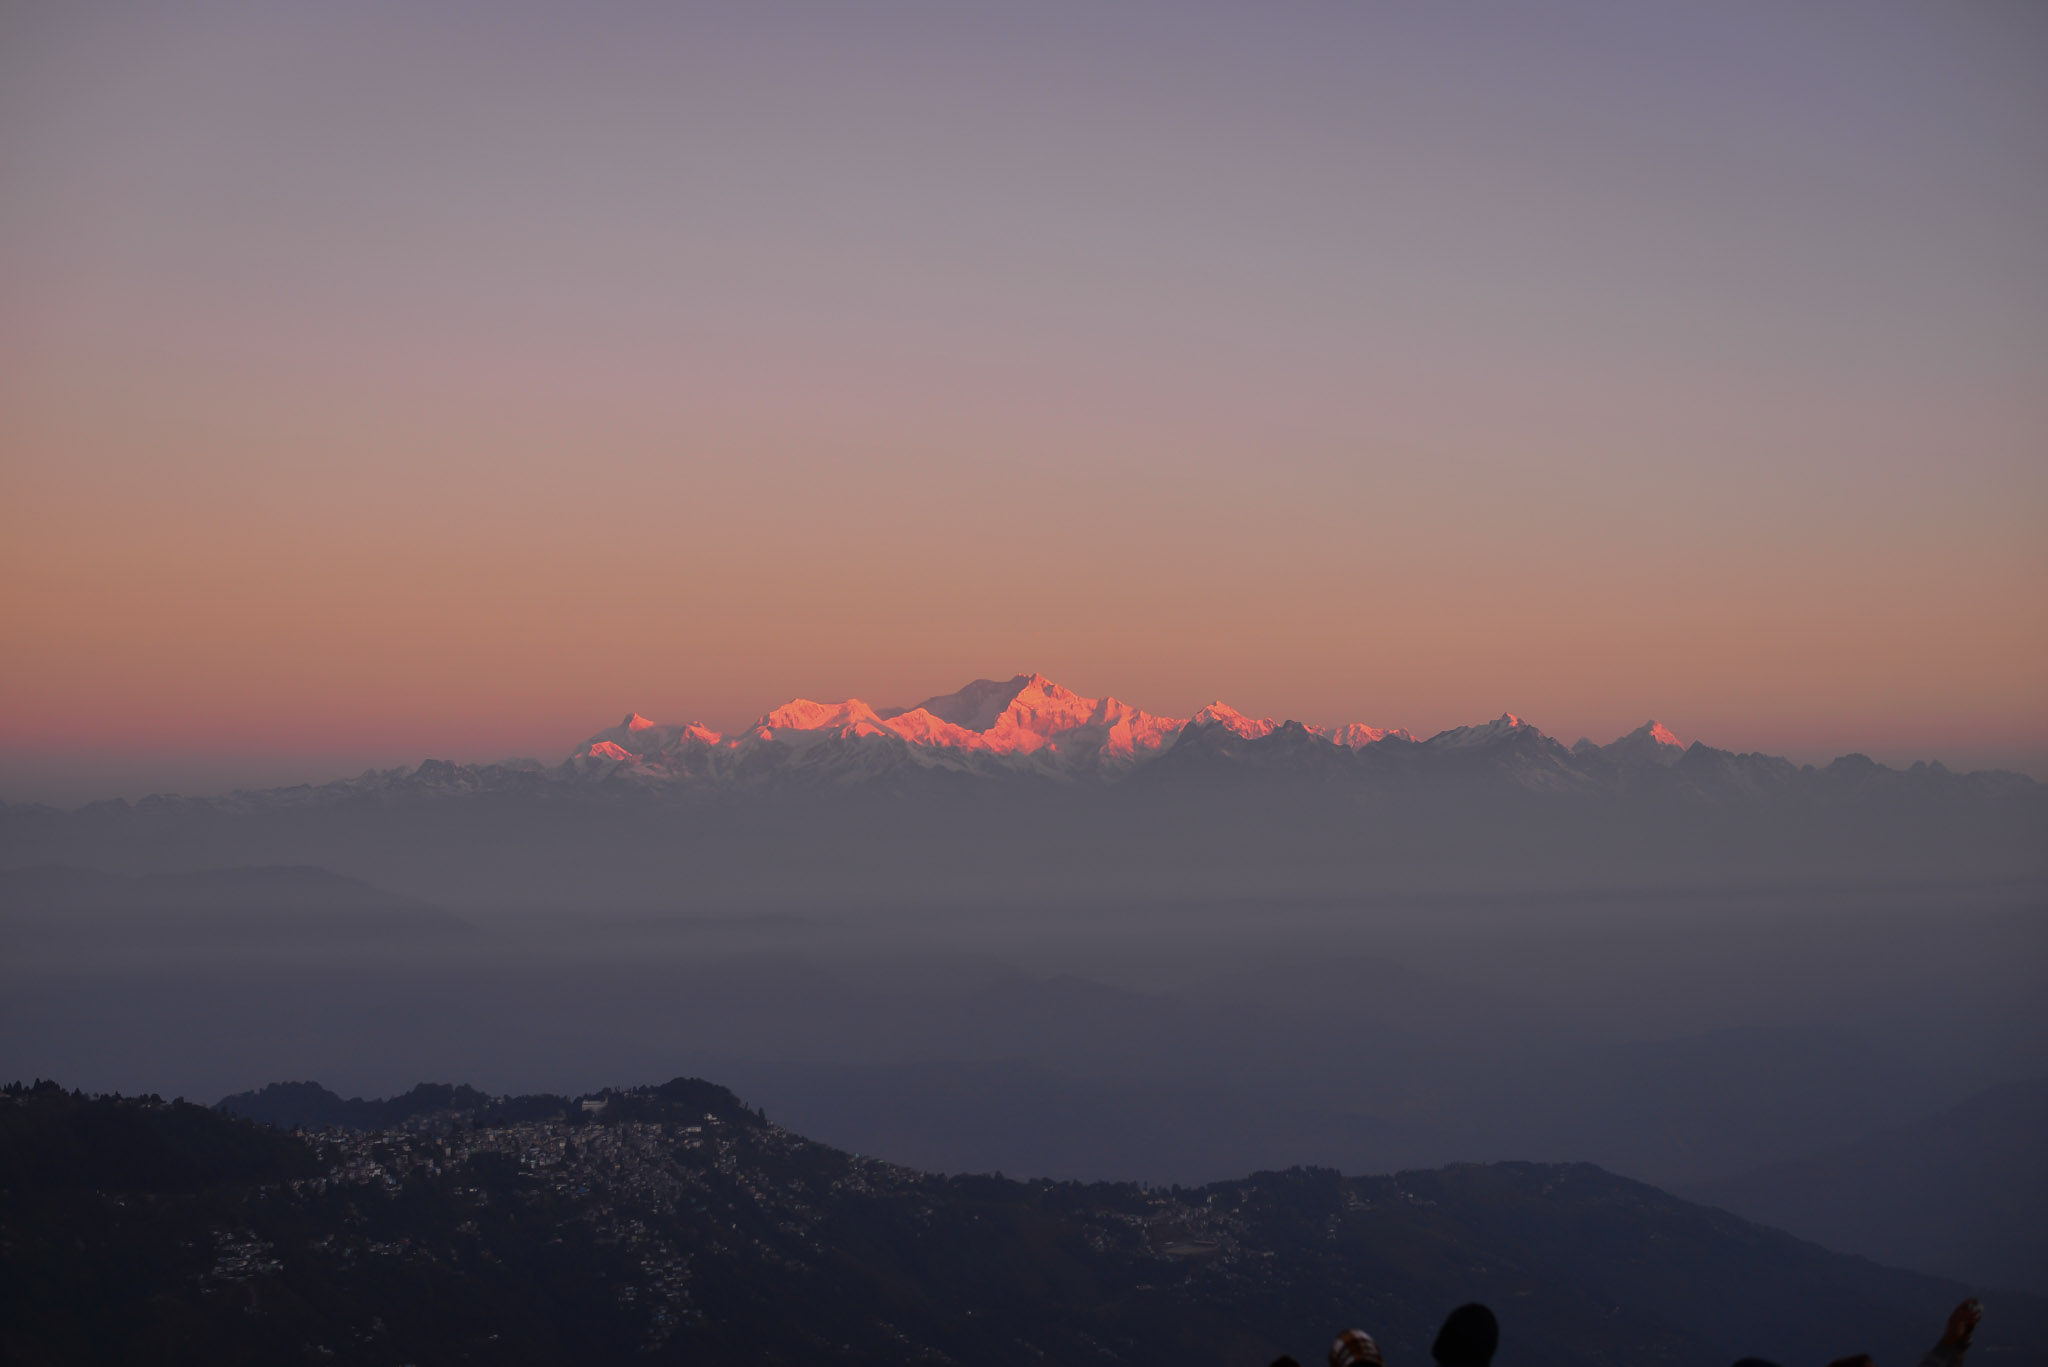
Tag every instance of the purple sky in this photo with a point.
(381, 381)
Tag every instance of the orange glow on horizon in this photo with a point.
(364, 398)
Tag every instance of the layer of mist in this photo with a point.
(1677, 1037)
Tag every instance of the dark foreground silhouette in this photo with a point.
(674, 1224)
(1471, 1336)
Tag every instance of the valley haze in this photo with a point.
(1557, 494)
(1017, 928)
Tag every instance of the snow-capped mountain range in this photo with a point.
(1030, 727)
(1024, 725)
(1023, 787)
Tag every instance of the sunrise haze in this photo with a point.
(767, 681)
(379, 383)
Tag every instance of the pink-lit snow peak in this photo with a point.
(1027, 720)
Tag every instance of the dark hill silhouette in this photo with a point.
(53, 1140)
(308, 1105)
(1962, 1194)
(672, 1224)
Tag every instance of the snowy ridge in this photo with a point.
(1029, 725)
(1030, 728)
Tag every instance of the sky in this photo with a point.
(384, 381)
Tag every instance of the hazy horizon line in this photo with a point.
(214, 774)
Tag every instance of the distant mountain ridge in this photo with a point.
(1026, 725)
(1023, 787)
(1030, 727)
